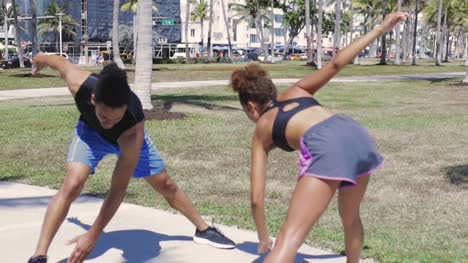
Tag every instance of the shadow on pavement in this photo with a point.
(137, 245)
(251, 248)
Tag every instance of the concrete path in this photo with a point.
(48, 92)
(135, 234)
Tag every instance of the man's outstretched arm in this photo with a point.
(70, 72)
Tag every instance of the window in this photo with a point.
(192, 32)
(279, 18)
(253, 38)
(279, 32)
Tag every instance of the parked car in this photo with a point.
(14, 63)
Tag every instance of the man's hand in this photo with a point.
(38, 63)
(84, 246)
(264, 245)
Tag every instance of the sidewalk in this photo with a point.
(135, 234)
(48, 92)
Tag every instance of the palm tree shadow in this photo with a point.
(137, 245)
(251, 248)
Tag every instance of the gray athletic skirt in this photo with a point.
(338, 149)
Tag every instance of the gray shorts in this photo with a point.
(338, 149)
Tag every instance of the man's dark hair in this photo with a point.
(112, 88)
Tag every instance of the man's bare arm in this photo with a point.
(71, 73)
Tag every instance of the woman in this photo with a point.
(335, 151)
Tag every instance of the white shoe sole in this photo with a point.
(203, 241)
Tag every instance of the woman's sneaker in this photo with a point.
(213, 237)
(38, 259)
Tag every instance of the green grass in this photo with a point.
(19, 79)
(415, 209)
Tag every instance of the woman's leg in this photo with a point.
(310, 199)
(349, 202)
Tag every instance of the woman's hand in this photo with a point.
(264, 245)
(391, 20)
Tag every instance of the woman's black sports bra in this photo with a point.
(283, 117)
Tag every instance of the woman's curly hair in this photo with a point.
(252, 84)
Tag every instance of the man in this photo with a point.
(111, 122)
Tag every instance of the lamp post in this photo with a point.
(60, 30)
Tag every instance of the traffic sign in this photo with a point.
(167, 22)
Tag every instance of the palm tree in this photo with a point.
(226, 23)
(253, 11)
(200, 14)
(187, 18)
(439, 35)
(383, 57)
(5, 14)
(319, 34)
(17, 33)
(49, 25)
(415, 30)
(337, 32)
(210, 31)
(132, 5)
(143, 68)
(308, 37)
(397, 38)
(34, 27)
(115, 35)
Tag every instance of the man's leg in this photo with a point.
(77, 173)
(178, 200)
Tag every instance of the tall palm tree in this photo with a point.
(253, 11)
(383, 57)
(17, 33)
(200, 14)
(144, 59)
(115, 35)
(187, 18)
(52, 24)
(34, 27)
(210, 32)
(319, 34)
(439, 35)
(337, 32)
(5, 14)
(308, 35)
(415, 30)
(226, 23)
(397, 38)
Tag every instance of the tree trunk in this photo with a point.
(144, 67)
(115, 35)
(415, 31)
(210, 29)
(17, 35)
(259, 18)
(445, 34)
(337, 33)
(439, 35)
(383, 56)
(34, 28)
(135, 37)
(272, 31)
(397, 38)
(308, 37)
(187, 18)
(319, 34)
(226, 23)
(202, 32)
